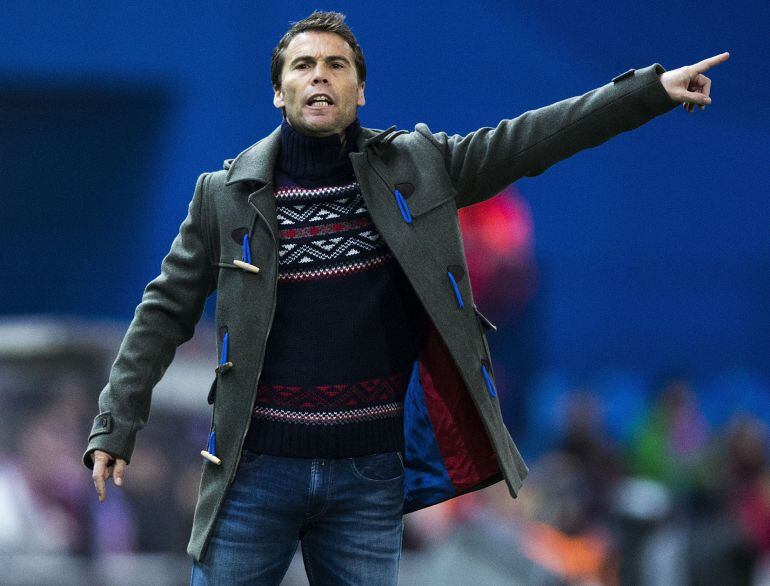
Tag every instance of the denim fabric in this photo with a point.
(346, 512)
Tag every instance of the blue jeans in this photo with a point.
(347, 513)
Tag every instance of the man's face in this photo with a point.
(320, 91)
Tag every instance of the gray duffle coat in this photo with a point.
(413, 184)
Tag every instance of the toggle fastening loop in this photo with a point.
(211, 450)
(246, 250)
(224, 364)
(488, 380)
(456, 289)
(245, 262)
(403, 207)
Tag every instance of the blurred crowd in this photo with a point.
(654, 494)
(678, 502)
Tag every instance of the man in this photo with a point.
(354, 381)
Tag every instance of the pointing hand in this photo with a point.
(688, 85)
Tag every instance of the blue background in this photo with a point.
(653, 249)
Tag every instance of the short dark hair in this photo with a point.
(330, 22)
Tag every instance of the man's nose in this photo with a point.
(320, 76)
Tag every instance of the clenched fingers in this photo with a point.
(699, 89)
(705, 84)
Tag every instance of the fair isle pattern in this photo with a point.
(333, 397)
(325, 249)
(325, 232)
(330, 418)
(293, 213)
(320, 229)
(336, 271)
(289, 194)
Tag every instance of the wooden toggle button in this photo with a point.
(223, 367)
(245, 266)
(211, 458)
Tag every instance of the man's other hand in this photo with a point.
(104, 467)
(689, 86)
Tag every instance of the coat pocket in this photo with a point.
(424, 201)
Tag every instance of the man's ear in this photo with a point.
(361, 100)
(278, 99)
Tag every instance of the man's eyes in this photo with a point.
(335, 65)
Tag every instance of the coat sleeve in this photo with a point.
(171, 305)
(483, 162)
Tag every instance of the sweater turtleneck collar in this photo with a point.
(317, 159)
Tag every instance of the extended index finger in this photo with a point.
(707, 64)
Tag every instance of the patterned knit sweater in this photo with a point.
(347, 322)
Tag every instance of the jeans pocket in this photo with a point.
(249, 459)
(378, 467)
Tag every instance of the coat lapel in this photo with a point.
(255, 166)
(263, 200)
(256, 162)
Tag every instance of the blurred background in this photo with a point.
(630, 284)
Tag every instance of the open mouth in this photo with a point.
(319, 101)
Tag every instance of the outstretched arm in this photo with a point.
(483, 162)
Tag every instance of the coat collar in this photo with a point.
(256, 162)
